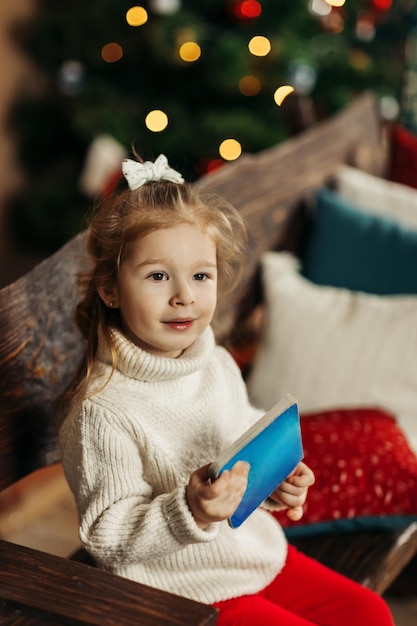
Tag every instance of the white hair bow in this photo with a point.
(137, 174)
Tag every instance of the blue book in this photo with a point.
(272, 447)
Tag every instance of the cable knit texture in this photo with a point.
(128, 451)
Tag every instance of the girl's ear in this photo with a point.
(109, 297)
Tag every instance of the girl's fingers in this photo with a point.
(302, 475)
(290, 489)
(292, 500)
(295, 513)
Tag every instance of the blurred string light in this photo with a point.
(156, 121)
(365, 27)
(303, 77)
(165, 7)
(136, 16)
(249, 85)
(188, 48)
(189, 51)
(382, 5)
(281, 93)
(336, 3)
(319, 8)
(230, 149)
(259, 46)
(71, 77)
(247, 9)
(359, 59)
(111, 52)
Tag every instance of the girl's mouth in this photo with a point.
(179, 324)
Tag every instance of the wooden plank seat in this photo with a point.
(40, 349)
(48, 589)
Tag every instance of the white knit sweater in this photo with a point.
(128, 452)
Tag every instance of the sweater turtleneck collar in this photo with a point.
(136, 363)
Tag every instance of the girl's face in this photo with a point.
(167, 289)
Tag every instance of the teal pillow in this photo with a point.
(346, 247)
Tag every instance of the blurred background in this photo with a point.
(202, 82)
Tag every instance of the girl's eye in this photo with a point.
(200, 276)
(158, 276)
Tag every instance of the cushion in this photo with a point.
(334, 348)
(378, 196)
(366, 473)
(403, 156)
(349, 248)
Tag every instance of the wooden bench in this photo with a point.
(40, 348)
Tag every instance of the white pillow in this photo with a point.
(378, 196)
(335, 348)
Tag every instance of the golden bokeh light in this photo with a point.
(249, 85)
(335, 3)
(281, 93)
(190, 51)
(156, 120)
(359, 59)
(230, 149)
(136, 16)
(111, 52)
(259, 46)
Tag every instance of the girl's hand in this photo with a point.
(216, 501)
(292, 492)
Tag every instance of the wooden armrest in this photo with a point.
(39, 588)
(373, 559)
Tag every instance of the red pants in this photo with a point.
(306, 593)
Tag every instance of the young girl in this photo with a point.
(155, 400)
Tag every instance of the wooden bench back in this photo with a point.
(39, 351)
(40, 346)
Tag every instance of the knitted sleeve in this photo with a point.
(120, 520)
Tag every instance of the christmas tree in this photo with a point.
(197, 81)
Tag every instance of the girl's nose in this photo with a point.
(183, 295)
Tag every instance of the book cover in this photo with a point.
(272, 447)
